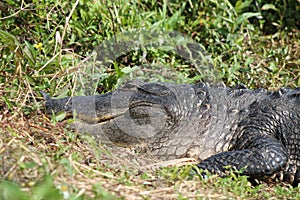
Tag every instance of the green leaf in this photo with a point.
(269, 7)
(246, 16)
(273, 67)
(46, 190)
(126, 70)
(29, 52)
(11, 42)
(8, 38)
(8, 103)
(30, 80)
(27, 165)
(66, 163)
(60, 116)
(241, 5)
(9, 191)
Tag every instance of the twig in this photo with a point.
(65, 28)
(16, 13)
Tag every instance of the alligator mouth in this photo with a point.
(103, 119)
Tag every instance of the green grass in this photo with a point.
(43, 45)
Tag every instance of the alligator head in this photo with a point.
(136, 113)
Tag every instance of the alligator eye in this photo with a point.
(140, 115)
(144, 114)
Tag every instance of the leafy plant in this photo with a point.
(43, 190)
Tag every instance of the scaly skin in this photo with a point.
(253, 130)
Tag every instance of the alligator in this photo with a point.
(254, 131)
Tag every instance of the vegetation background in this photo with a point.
(42, 46)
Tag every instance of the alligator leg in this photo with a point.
(263, 156)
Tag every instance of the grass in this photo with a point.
(47, 46)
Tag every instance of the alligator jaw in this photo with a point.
(102, 119)
(88, 109)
